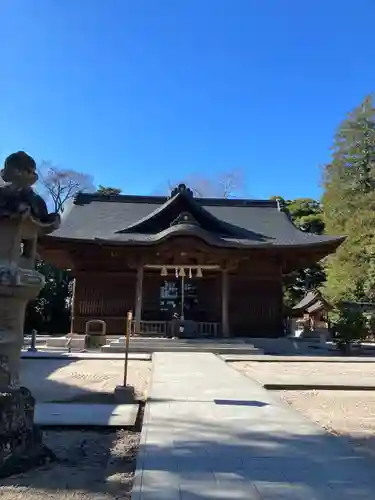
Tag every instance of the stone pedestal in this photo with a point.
(21, 446)
(23, 216)
(184, 329)
(124, 394)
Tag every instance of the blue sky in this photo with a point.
(139, 92)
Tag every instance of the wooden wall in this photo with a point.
(104, 296)
(209, 296)
(255, 306)
(152, 281)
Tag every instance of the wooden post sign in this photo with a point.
(129, 320)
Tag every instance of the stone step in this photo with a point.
(155, 347)
(182, 341)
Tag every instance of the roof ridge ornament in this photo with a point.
(283, 207)
(182, 188)
(185, 218)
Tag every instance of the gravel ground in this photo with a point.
(95, 465)
(92, 465)
(309, 371)
(346, 413)
(81, 380)
(350, 414)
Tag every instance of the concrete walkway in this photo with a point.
(211, 433)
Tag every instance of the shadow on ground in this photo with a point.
(76, 380)
(238, 402)
(102, 463)
(87, 457)
(320, 464)
(218, 448)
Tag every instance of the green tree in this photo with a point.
(348, 326)
(307, 215)
(50, 311)
(108, 190)
(349, 206)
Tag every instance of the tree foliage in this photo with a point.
(348, 325)
(50, 311)
(106, 190)
(307, 215)
(349, 206)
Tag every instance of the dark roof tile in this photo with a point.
(253, 222)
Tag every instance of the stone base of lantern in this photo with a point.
(21, 445)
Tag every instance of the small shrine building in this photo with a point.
(312, 311)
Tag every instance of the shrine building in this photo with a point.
(216, 264)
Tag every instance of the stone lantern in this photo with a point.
(23, 217)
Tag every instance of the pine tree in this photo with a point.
(110, 191)
(349, 206)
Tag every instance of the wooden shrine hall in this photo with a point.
(215, 265)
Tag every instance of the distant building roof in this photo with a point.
(311, 302)
(146, 220)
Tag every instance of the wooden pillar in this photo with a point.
(224, 302)
(138, 299)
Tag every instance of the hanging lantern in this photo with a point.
(199, 272)
(190, 273)
(164, 271)
(176, 272)
(182, 272)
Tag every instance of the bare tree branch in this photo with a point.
(231, 183)
(226, 185)
(61, 185)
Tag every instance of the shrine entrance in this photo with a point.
(187, 294)
(179, 298)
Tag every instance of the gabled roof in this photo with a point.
(312, 301)
(180, 209)
(146, 220)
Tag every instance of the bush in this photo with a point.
(348, 326)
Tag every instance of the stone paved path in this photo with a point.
(211, 433)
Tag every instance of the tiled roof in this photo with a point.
(310, 297)
(311, 302)
(221, 222)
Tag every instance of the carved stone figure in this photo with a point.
(182, 188)
(23, 217)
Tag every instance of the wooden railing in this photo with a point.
(151, 328)
(208, 328)
(161, 328)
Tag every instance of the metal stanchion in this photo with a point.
(125, 393)
(129, 319)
